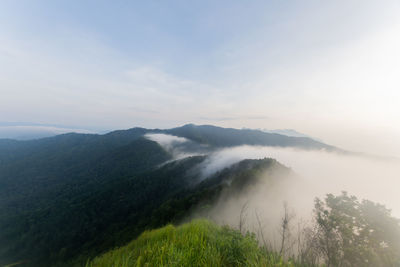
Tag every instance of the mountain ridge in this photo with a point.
(207, 134)
(84, 193)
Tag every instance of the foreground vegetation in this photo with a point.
(344, 232)
(199, 243)
(82, 194)
(72, 197)
(96, 215)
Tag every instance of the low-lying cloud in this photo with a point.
(322, 172)
(166, 141)
(178, 147)
(318, 172)
(314, 174)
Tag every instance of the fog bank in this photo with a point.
(314, 174)
(178, 147)
(322, 172)
(318, 172)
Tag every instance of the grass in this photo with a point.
(199, 243)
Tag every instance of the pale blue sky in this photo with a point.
(327, 68)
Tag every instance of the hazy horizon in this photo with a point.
(326, 69)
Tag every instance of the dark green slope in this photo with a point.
(169, 194)
(196, 197)
(83, 193)
(52, 200)
(110, 215)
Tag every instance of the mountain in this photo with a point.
(227, 137)
(52, 201)
(86, 219)
(76, 195)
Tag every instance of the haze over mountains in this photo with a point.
(60, 193)
(69, 197)
(29, 131)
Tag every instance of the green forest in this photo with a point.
(66, 200)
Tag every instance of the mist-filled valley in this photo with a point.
(312, 174)
(67, 199)
(322, 172)
(318, 172)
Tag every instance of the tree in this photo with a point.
(285, 233)
(354, 233)
(242, 217)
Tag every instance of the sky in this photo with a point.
(329, 69)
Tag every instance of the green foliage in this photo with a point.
(67, 191)
(354, 233)
(79, 195)
(199, 243)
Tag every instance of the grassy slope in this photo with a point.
(199, 243)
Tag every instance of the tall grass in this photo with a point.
(199, 243)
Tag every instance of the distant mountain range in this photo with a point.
(72, 196)
(29, 131)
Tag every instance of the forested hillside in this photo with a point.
(70, 198)
(79, 194)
